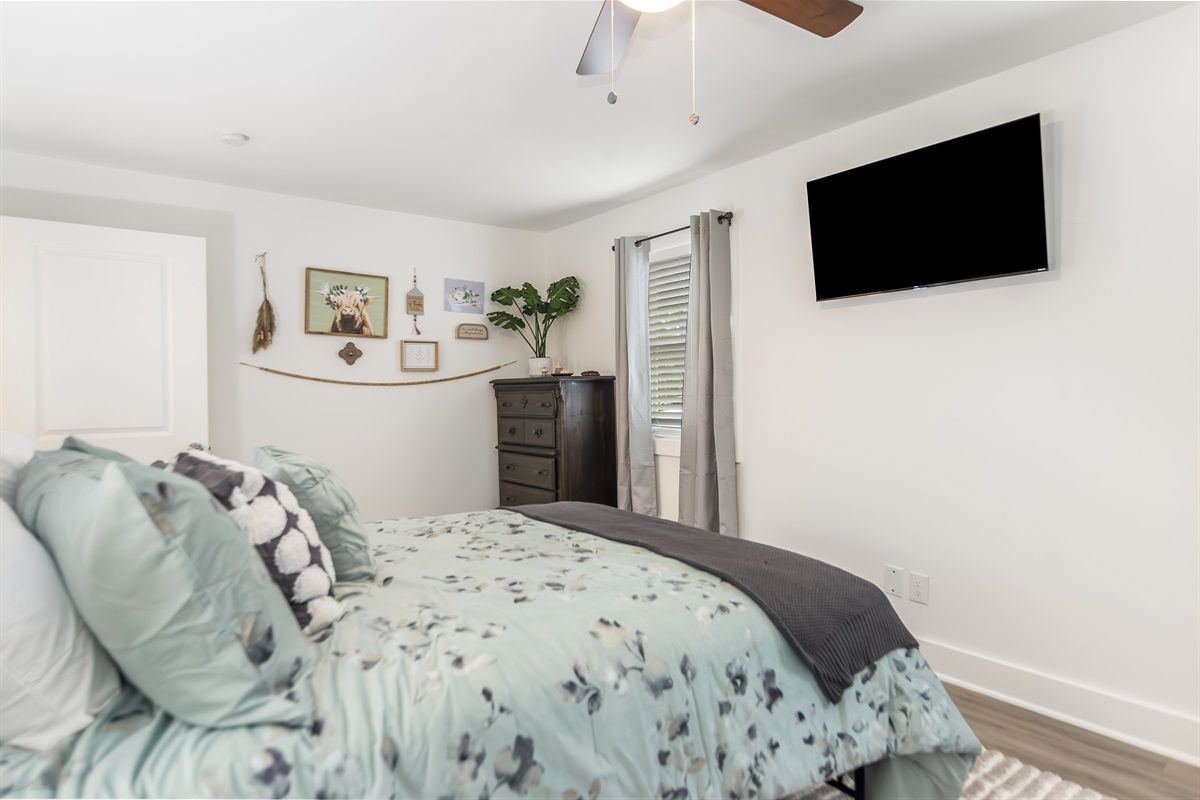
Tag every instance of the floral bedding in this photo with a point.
(498, 656)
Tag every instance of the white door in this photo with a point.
(103, 336)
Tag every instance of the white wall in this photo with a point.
(403, 451)
(1031, 442)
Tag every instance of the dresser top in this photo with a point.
(548, 380)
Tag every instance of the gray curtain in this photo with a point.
(636, 490)
(707, 469)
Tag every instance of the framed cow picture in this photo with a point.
(345, 303)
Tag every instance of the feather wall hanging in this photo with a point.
(264, 328)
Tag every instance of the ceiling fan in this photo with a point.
(602, 53)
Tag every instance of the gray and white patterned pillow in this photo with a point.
(281, 531)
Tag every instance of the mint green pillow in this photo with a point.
(327, 500)
(171, 588)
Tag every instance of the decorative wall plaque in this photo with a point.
(471, 330)
(350, 353)
(414, 303)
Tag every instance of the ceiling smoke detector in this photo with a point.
(234, 139)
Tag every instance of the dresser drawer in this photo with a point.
(536, 432)
(512, 494)
(525, 404)
(529, 470)
(510, 431)
(539, 433)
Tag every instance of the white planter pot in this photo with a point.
(539, 367)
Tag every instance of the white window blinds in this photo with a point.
(669, 282)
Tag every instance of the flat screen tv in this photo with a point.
(960, 210)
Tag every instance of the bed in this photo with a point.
(496, 654)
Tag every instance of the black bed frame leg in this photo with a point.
(858, 791)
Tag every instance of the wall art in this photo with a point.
(414, 303)
(350, 353)
(471, 330)
(264, 325)
(464, 297)
(418, 356)
(345, 303)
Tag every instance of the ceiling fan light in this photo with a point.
(651, 6)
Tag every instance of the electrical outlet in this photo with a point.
(893, 580)
(918, 588)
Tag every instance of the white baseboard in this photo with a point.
(1158, 730)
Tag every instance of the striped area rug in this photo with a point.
(995, 776)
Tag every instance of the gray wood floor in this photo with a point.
(1086, 758)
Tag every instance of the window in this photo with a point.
(669, 283)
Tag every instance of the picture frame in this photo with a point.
(338, 303)
(418, 355)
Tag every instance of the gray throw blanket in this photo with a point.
(836, 622)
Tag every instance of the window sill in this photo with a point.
(666, 444)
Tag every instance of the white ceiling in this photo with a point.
(471, 109)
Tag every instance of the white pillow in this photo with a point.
(15, 452)
(54, 677)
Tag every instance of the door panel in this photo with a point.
(104, 336)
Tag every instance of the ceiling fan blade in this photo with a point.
(822, 17)
(599, 55)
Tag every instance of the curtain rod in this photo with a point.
(726, 217)
(638, 242)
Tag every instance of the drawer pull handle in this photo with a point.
(544, 405)
(511, 430)
(510, 467)
(506, 404)
(510, 499)
(543, 472)
(537, 432)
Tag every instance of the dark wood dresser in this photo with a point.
(556, 439)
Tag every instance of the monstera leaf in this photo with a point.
(561, 299)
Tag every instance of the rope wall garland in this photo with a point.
(374, 383)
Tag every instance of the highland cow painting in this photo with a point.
(345, 303)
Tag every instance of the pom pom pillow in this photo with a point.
(278, 527)
(327, 500)
(171, 588)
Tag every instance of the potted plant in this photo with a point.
(536, 315)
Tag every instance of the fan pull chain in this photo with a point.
(612, 51)
(694, 118)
